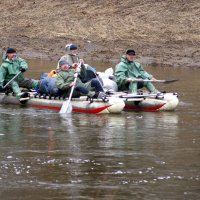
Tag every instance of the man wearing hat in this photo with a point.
(12, 65)
(65, 81)
(71, 55)
(73, 59)
(128, 70)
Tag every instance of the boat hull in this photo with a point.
(81, 105)
(164, 102)
(116, 104)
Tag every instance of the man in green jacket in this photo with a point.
(71, 56)
(128, 70)
(12, 65)
(65, 81)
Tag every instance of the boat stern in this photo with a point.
(171, 102)
(116, 105)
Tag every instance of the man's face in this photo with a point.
(130, 57)
(74, 52)
(65, 67)
(11, 56)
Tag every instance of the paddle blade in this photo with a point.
(170, 81)
(155, 81)
(66, 107)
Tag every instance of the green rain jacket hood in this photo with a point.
(129, 69)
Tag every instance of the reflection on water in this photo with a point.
(139, 155)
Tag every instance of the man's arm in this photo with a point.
(23, 66)
(2, 75)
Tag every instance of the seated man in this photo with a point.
(65, 80)
(12, 65)
(128, 70)
(71, 56)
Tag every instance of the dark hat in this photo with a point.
(71, 47)
(130, 52)
(11, 50)
(63, 62)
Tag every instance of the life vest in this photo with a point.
(52, 74)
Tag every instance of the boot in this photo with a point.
(102, 96)
(23, 97)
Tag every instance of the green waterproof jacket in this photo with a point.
(129, 69)
(9, 68)
(65, 78)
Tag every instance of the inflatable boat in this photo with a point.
(81, 105)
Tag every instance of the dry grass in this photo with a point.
(163, 29)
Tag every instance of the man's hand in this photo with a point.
(129, 80)
(81, 61)
(153, 79)
(75, 65)
(72, 84)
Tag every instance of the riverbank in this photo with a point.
(162, 32)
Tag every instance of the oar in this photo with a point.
(155, 81)
(12, 79)
(67, 106)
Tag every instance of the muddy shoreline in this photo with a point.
(162, 32)
(106, 51)
(176, 61)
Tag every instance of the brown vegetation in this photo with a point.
(161, 31)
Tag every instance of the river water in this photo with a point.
(134, 155)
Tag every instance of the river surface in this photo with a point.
(133, 155)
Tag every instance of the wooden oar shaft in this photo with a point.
(146, 80)
(66, 104)
(155, 81)
(72, 89)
